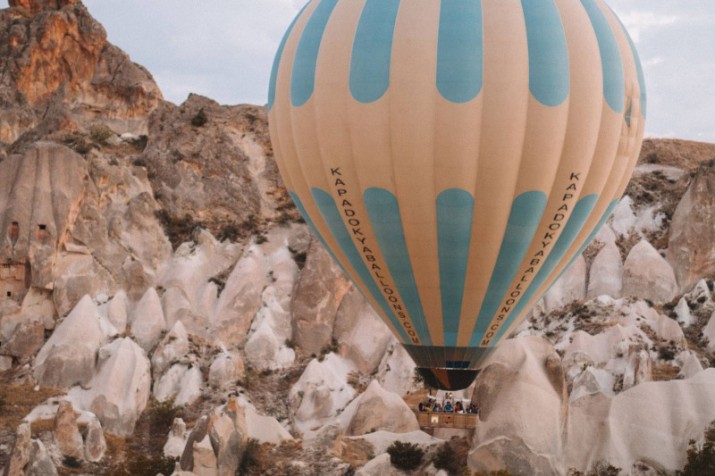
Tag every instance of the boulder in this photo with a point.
(571, 286)
(172, 348)
(606, 274)
(592, 381)
(148, 320)
(378, 409)
(189, 387)
(379, 466)
(523, 404)
(361, 335)
(119, 392)
(225, 370)
(20, 454)
(396, 372)
(41, 463)
(27, 339)
(241, 298)
(68, 357)
(320, 392)
(205, 463)
(66, 432)
(648, 275)
(689, 363)
(691, 249)
(176, 442)
(117, 311)
(264, 351)
(682, 311)
(264, 429)
(316, 300)
(95, 445)
(650, 422)
(169, 384)
(709, 333)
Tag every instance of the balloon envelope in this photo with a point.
(454, 156)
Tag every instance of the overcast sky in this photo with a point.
(224, 49)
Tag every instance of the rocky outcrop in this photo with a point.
(648, 275)
(377, 409)
(40, 193)
(212, 165)
(691, 249)
(571, 286)
(61, 73)
(119, 391)
(69, 355)
(522, 396)
(66, 433)
(318, 294)
(361, 335)
(651, 422)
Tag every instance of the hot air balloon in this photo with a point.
(455, 156)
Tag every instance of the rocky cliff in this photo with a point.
(164, 309)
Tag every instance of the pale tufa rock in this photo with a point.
(148, 320)
(361, 335)
(691, 249)
(652, 421)
(169, 384)
(66, 432)
(317, 297)
(172, 348)
(225, 370)
(264, 351)
(571, 286)
(189, 387)
(68, 357)
(396, 372)
(241, 298)
(378, 409)
(176, 442)
(523, 408)
(606, 274)
(320, 392)
(119, 391)
(647, 275)
(95, 445)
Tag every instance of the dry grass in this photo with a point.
(663, 372)
(356, 452)
(17, 400)
(684, 154)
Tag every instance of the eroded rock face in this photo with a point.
(68, 357)
(691, 248)
(66, 433)
(317, 297)
(606, 275)
(213, 164)
(521, 394)
(61, 73)
(120, 390)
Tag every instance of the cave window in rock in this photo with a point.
(14, 231)
(41, 231)
(8, 294)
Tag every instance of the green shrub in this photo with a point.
(701, 461)
(405, 456)
(250, 459)
(100, 133)
(448, 460)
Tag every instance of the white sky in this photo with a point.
(224, 49)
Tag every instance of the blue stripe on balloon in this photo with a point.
(306, 55)
(526, 213)
(384, 212)
(614, 88)
(304, 213)
(573, 227)
(460, 50)
(372, 50)
(331, 215)
(639, 67)
(549, 76)
(277, 59)
(455, 213)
